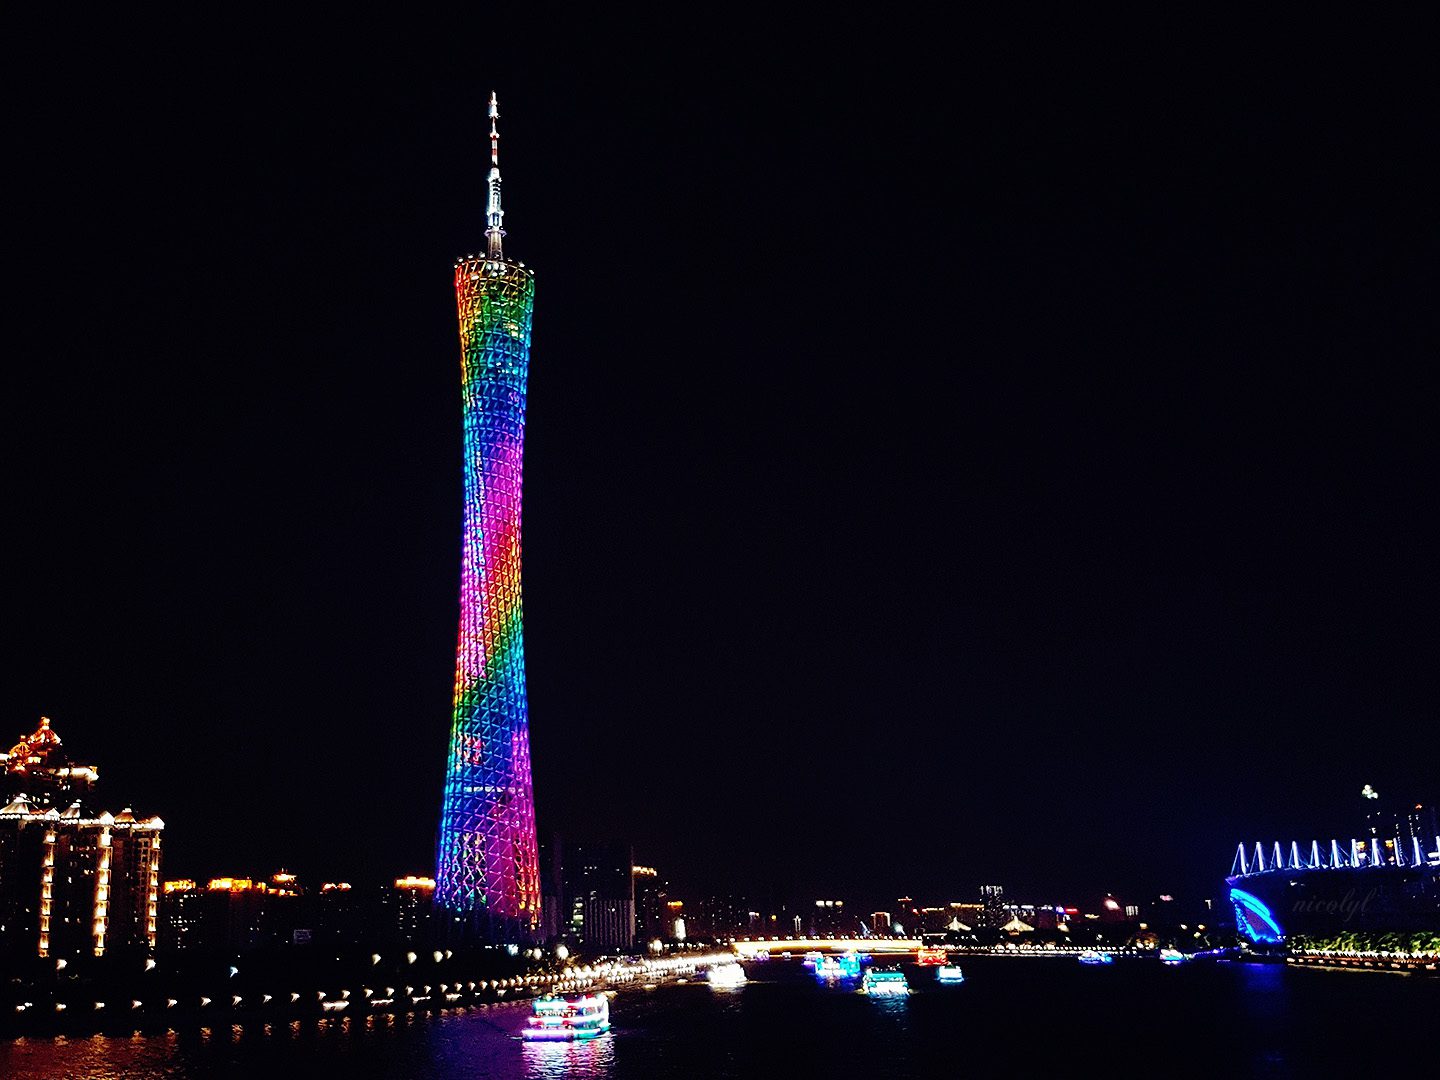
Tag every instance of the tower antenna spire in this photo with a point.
(494, 216)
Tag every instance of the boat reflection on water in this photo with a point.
(590, 1059)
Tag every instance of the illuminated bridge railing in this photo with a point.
(1349, 855)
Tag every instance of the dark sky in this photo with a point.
(1002, 456)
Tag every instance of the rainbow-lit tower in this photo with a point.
(488, 879)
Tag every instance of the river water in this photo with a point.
(1012, 1017)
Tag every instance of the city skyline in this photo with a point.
(1042, 536)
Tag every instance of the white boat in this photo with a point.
(889, 982)
(726, 976)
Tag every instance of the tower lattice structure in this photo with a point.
(488, 878)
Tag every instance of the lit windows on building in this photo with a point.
(75, 881)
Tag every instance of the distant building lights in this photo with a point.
(232, 884)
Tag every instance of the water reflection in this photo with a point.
(1220, 1020)
(585, 1060)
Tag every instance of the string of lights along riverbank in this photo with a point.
(488, 879)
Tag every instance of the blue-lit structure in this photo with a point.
(1254, 919)
(1322, 888)
(1374, 853)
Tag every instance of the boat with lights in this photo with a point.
(949, 973)
(928, 955)
(1171, 957)
(844, 966)
(1096, 959)
(567, 1019)
(885, 982)
(725, 976)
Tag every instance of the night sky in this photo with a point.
(950, 459)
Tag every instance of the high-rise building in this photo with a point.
(38, 768)
(225, 915)
(992, 906)
(411, 902)
(1398, 832)
(182, 916)
(907, 916)
(72, 882)
(342, 917)
(828, 918)
(597, 888)
(651, 892)
(488, 878)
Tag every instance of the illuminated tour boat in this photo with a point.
(885, 982)
(845, 966)
(931, 954)
(726, 975)
(949, 973)
(567, 1019)
(1172, 957)
(1090, 956)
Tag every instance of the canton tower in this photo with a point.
(488, 877)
